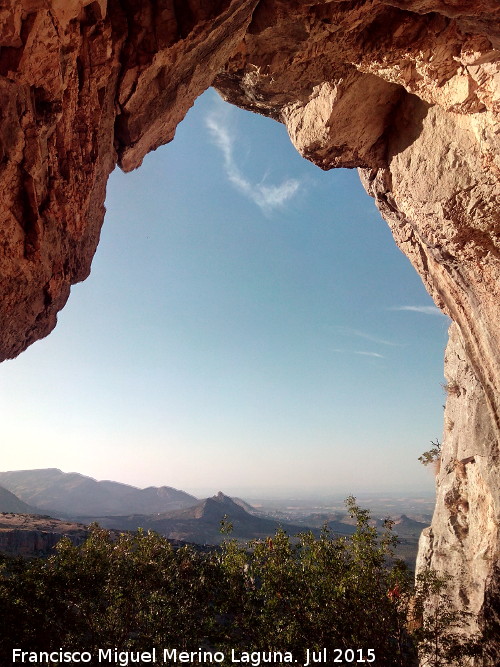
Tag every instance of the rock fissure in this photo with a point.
(406, 90)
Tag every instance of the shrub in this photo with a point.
(432, 456)
(136, 592)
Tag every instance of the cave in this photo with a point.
(404, 90)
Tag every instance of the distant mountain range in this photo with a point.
(342, 523)
(201, 523)
(175, 514)
(11, 503)
(72, 494)
(169, 512)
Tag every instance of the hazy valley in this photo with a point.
(73, 501)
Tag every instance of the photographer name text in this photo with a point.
(173, 656)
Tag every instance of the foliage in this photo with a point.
(433, 455)
(136, 592)
(132, 592)
(318, 593)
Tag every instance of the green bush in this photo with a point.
(136, 592)
(317, 593)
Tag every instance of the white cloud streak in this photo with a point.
(267, 197)
(361, 352)
(346, 331)
(370, 354)
(425, 310)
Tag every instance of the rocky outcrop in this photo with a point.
(465, 533)
(406, 90)
(30, 535)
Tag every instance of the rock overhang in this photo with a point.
(406, 90)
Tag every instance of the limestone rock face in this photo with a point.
(83, 85)
(30, 535)
(406, 90)
(465, 532)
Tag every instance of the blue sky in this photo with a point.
(249, 325)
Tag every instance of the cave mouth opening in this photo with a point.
(243, 307)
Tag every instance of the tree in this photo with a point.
(433, 455)
(327, 592)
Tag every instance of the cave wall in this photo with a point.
(408, 91)
(83, 85)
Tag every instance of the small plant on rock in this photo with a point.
(432, 456)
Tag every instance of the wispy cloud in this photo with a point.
(370, 354)
(425, 310)
(361, 352)
(267, 197)
(346, 331)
